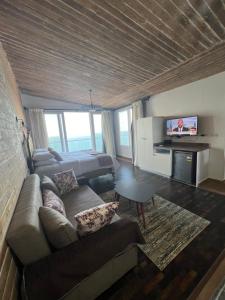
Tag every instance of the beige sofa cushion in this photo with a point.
(80, 200)
(48, 184)
(59, 231)
(25, 235)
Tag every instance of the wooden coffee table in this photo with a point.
(137, 192)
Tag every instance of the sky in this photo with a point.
(123, 120)
(77, 124)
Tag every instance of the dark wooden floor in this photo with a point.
(182, 275)
(214, 186)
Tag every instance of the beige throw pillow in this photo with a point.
(58, 229)
(48, 184)
(93, 219)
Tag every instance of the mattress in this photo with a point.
(82, 162)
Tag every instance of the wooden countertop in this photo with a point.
(193, 147)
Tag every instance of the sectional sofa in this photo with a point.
(82, 270)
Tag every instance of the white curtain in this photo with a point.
(137, 112)
(108, 132)
(38, 128)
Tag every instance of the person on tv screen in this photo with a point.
(180, 126)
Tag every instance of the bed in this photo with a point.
(86, 164)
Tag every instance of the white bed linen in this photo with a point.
(81, 162)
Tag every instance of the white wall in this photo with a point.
(44, 103)
(205, 98)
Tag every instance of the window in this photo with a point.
(124, 130)
(74, 131)
(78, 131)
(54, 137)
(97, 119)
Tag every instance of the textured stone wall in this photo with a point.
(12, 170)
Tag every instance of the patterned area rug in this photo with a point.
(169, 227)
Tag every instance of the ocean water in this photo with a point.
(84, 143)
(76, 144)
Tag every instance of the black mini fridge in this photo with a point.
(184, 166)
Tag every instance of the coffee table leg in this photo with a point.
(138, 209)
(117, 197)
(142, 213)
(153, 200)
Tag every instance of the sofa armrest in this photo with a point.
(56, 274)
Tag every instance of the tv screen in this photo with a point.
(182, 126)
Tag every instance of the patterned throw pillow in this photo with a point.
(65, 181)
(51, 200)
(93, 219)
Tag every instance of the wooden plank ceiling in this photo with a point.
(122, 50)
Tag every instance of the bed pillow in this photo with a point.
(48, 162)
(40, 150)
(65, 181)
(58, 229)
(40, 156)
(93, 219)
(51, 200)
(57, 156)
(48, 184)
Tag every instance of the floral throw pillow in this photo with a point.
(93, 219)
(51, 200)
(65, 181)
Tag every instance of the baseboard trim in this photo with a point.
(123, 158)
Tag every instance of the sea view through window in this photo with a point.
(72, 131)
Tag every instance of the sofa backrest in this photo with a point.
(25, 235)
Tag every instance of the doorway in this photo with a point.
(123, 119)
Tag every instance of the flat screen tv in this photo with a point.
(182, 126)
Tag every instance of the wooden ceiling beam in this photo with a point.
(53, 43)
(62, 62)
(140, 40)
(120, 36)
(163, 47)
(204, 10)
(207, 64)
(132, 29)
(40, 15)
(154, 25)
(123, 50)
(197, 22)
(217, 10)
(184, 25)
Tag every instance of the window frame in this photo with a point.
(62, 127)
(94, 133)
(129, 122)
(61, 134)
